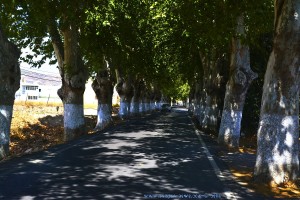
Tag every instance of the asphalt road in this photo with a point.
(154, 157)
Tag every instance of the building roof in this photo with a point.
(31, 78)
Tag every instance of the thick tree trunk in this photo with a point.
(143, 102)
(191, 99)
(74, 76)
(9, 84)
(135, 102)
(152, 105)
(146, 100)
(125, 91)
(135, 106)
(213, 114)
(157, 98)
(277, 158)
(241, 77)
(212, 90)
(202, 92)
(103, 88)
(206, 110)
(197, 101)
(152, 100)
(216, 92)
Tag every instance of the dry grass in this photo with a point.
(37, 103)
(245, 176)
(29, 133)
(35, 128)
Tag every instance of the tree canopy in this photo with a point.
(157, 40)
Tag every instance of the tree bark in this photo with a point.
(146, 100)
(74, 76)
(216, 92)
(103, 87)
(135, 102)
(197, 101)
(277, 158)
(191, 99)
(202, 92)
(240, 79)
(157, 97)
(9, 83)
(152, 99)
(125, 91)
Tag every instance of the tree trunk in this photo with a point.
(9, 83)
(103, 88)
(152, 100)
(204, 99)
(74, 76)
(277, 158)
(191, 99)
(197, 101)
(141, 101)
(135, 102)
(125, 91)
(157, 98)
(216, 92)
(146, 100)
(241, 77)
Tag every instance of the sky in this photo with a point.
(44, 69)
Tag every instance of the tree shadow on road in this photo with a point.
(157, 154)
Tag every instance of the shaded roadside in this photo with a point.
(155, 155)
(241, 165)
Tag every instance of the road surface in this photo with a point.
(158, 156)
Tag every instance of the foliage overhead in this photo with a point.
(157, 40)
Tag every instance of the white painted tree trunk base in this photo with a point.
(160, 105)
(5, 122)
(152, 106)
(157, 105)
(124, 109)
(205, 120)
(103, 116)
(201, 114)
(196, 111)
(147, 107)
(278, 148)
(142, 108)
(229, 133)
(134, 108)
(74, 123)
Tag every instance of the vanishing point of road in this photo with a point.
(159, 156)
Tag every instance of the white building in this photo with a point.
(38, 86)
(41, 87)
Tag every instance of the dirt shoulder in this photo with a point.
(35, 128)
(241, 164)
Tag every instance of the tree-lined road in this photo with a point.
(157, 155)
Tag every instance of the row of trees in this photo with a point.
(153, 47)
(278, 132)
